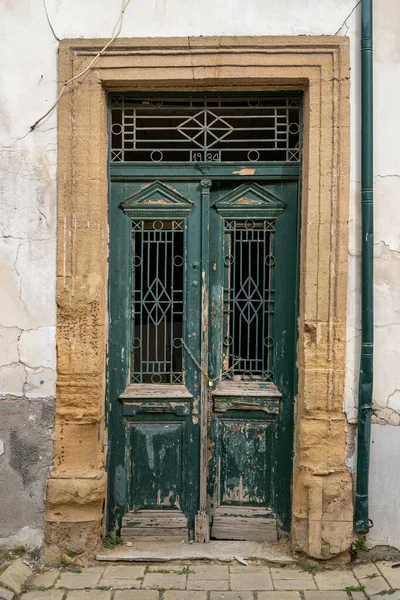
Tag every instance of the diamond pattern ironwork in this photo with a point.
(249, 300)
(157, 301)
(153, 302)
(205, 128)
(205, 125)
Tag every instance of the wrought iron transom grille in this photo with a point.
(249, 299)
(205, 129)
(157, 301)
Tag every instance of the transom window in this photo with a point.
(207, 128)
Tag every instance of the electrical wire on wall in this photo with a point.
(90, 66)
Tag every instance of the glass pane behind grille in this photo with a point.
(205, 129)
(249, 299)
(157, 301)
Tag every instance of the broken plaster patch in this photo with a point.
(12, 379)
(17, 379)
(1, 447)
(385, 416)
(37, 347)
(40, 383)
(394, 400)
(30, 537)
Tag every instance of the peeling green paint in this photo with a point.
(154, 444)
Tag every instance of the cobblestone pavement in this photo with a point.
(203, 581)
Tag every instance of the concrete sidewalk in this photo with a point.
(211, 581)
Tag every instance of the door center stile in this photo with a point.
(202, 522)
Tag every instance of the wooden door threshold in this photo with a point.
(225, 551)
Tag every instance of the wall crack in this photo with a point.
(344, 24)
(387, 176)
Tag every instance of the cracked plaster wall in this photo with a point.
(28, 192)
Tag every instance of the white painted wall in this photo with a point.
(28, 183)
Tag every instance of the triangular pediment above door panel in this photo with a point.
(157, 201)
(250, 200)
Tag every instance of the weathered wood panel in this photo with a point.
(154, 525)
(266, 405)
(154, 428)
(151, 391)
(246, 389)
(136, 408)
(155, 451)
(250, 447)
(244, 523)
(245, 459)
(182, 442)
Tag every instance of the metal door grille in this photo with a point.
(249, 299)
(205, 129)
(157, 301)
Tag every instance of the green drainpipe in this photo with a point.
(362, 522)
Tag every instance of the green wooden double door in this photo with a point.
(201, 362)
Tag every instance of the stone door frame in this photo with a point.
(322, 507)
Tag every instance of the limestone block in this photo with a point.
(44, 595)
(79, 401)
(216, 572)
(322, 524)
(358, 596)
(75, 491)
(186, 595)
(281, 595)
(317, 347)
(334, 595)
(322, 392)
(89, 595)
(363, 571)
(120, 584)
(294, 584)
(336, 537)
(87, 578)
(87, 357)
(77, 537)
(231, 596)
(168, 581)
(208, 584)
(46, 579)
(337, 505)
(376, 585)
(124, 571)
(140, 595)
(251, 579)
(122, 576)
(335, 580)
(15, 576)
(290, 573)
(391, 595)
(391, 575)
(77, 443)
(322, 443)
